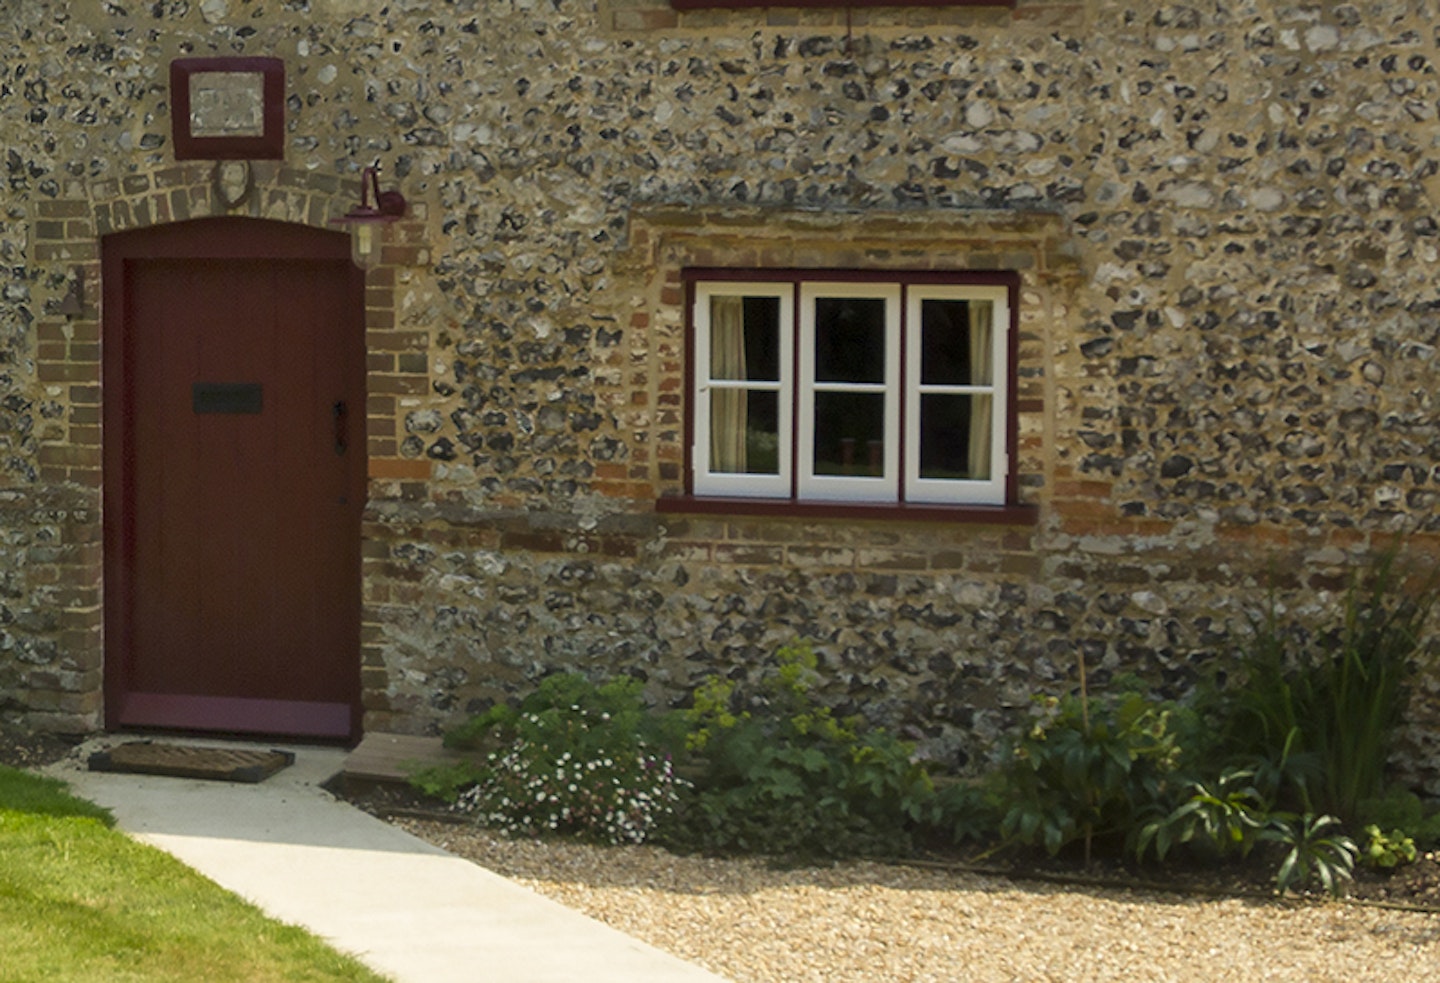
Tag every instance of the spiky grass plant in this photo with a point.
(1320, 711)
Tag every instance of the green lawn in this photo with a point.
(80, 901)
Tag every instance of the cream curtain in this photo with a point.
(982, 408)
(727, 406)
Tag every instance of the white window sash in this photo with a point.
(729, 484)
(985, 491)
(821, 487)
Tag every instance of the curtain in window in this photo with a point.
(727, 406)
(982, 408)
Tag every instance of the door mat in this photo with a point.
(181, 761)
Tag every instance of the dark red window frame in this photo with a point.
(1011, 512)
(836, 4)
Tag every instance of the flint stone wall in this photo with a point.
(1223, 214)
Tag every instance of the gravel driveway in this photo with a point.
(872, 923)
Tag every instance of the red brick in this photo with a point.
(64, 209)
(405, 385)
(397, 341)
(70, 456)
(625, 489)
(1083, 489)
(645, 20)
(67, 372)
(399, 468)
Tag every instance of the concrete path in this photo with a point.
(407, 909)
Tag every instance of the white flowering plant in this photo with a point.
(573, 759)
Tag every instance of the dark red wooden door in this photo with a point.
(237, 417)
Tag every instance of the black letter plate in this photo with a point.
(227, 397)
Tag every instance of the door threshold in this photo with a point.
(240, 716)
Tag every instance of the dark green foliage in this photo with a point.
(793, 779)
(1400, 809)
(1306, 730)
(785, 778)
(1361, 692)
(968, 812)
(1309, 728)
(1089, 771)
(1223, 817)
(1317, 713)
(446, 782)
(1315, 849)
(564, 700)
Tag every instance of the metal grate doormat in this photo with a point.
(181, 761)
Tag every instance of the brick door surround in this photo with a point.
(66, 692)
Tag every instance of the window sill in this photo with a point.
(996, 515)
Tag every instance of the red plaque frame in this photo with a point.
(269, 144)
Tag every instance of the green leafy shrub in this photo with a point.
(1400, 809)
(1230, 817)
(446, 782)
(1224, 817)
(1386, 851)
(967, 812)
(788, 777)
(573, 758)
(1086, 771)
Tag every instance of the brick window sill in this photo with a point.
(995, 515)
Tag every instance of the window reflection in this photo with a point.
(849, 339)
(850, 434)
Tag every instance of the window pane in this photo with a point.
(745, 338)
(955, 436)
(744, 431)
(850, 434)
(849, 339)
(955, 342)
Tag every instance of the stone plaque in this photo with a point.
(227, 104)
(228, 108)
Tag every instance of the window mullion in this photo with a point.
(796, 380)
(902, 399)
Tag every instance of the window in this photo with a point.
(845, 387)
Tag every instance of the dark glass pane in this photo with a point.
(945, 343)
(850, 434)
(951, 427)
(744, 432)
(745, 338)
(762, 338)
(849, 339)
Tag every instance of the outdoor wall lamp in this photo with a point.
(366, 221)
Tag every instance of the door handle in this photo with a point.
(340, 414)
